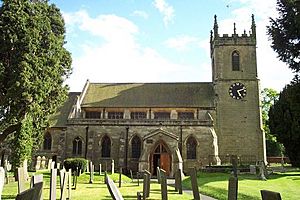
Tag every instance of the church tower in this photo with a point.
(236, 86)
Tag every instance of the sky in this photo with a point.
(161, 40)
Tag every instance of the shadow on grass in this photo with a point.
(127, 197)
(8, 196)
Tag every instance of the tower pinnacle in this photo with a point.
(216, 27)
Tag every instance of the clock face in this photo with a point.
(237, 90)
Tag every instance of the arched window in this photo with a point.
(191, 148)
(106, 146)
(235, 61)
(135, 147)
(77, 146)
(47, 141)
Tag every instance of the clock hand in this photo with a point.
(238, 91)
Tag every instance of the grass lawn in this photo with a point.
(98, 190)
(216, 185)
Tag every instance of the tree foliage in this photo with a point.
(269, 96)
(284, 121)
(284, 32)
(33, 67)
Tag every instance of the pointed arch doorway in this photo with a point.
(161, 157)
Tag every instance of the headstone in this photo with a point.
(282, 169)
(120, 177)
(25, 168)
(163, 183)
(63, 190)
(58, 166)
(158, 174)
(52, 164)
(26, 195)
(100, 169)
(131, 175)
(113, 190)
(234, 162)
(87, 166)
(49, 166)
(69, 183)
(269, 195)
(112, 166)
(262, 172)
(91, 172)
(35, 180)
(139, 196)
(193, 174)
(233, 188)
(38, 163)
(178, 181)
(252, 169)
(2, 177)
(43, 163)
(180, 160)
(75, 176)
(61, 176)
(21, 180)
(146, 184)
(105, 177)
(53, 184)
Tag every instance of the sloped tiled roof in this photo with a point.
(149, 95)
(59, 119)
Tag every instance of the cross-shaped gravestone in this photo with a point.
(233, 188)
(163, 184)
(21, 180)
(113, 190)
(193, 174)
(53, 184)
(270, 195)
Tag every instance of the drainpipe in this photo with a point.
(180, 140)
(126, 149)
(86, 141)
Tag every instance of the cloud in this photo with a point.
(181, 43)
(166, 10)
(120, 58)
(140, 13)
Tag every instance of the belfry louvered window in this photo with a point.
(235, 61)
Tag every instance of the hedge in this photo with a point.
(73, 163)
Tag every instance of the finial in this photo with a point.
(234, 28)
(253, 26)
(211, 35)
(215, 27)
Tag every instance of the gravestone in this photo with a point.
(269, 195)
(113, 190)
(32, 193)
(163, 184)
(262, 171)
(21, 180)
(158, 174)
(69, 183)
(146, 184)
(193, 174)
(2, 177)
(233, 188)
(36, 179)
(61, 176)
(120, 177)
(282, 169)
(43, 163)
(234, 162)
(53, 184)
(138, 196)
(100, 169)
(58, 166)
(252, 169)
(131, 175)
(49, 166)
(87, 166)
(38, 163)
(6, 174)
(105, 175)
(178, 181)
(112, 166)
(25, 168)
(63, 188)
(91, 172)
(75, 175)
(52, 164)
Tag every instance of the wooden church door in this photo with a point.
(161, 158)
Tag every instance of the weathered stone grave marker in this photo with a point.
(21, 180)
(113, 190)
(158, 174)
(163, 184)
(87, 166)
(178, 181)
(120, 177)
(49, 166)
(100, 169)
(252, 169)
(131, 175)
(270, 195)
(139, 196)
(43, 163)
(53, 184)
(234, 162)
(58, 166)
(146, 184)
(91, 172)
(32, 193)
(2, 177)
(69, 183)
(193, 174)
(38, 163)
(37, 179)
(233, 188)
(63, 188)
(25, 168)
(112, 166)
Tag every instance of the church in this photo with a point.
(169, 125)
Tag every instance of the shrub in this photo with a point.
(73, 163)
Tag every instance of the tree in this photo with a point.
(33, 67)
(284, 121)
(269, 96)
(285, 33)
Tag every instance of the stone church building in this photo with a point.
(171, 125)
